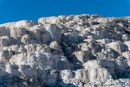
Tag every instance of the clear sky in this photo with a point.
(15, 10)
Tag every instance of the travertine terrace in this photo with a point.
(66, 51)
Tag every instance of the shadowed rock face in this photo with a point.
(66, 51)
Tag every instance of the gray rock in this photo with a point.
(4, 31)
(6, 41)
(54, 31)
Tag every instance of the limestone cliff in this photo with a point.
(66, 51)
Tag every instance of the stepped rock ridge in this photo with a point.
(66, 51)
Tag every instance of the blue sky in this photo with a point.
(15, 10)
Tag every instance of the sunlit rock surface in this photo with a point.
(66, 51)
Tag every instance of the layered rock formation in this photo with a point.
(66, 51)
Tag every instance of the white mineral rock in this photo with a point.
(66, 51)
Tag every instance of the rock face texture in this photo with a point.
(66, 51)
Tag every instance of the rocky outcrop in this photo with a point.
(66, 51)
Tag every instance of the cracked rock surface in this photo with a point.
(66, 51)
